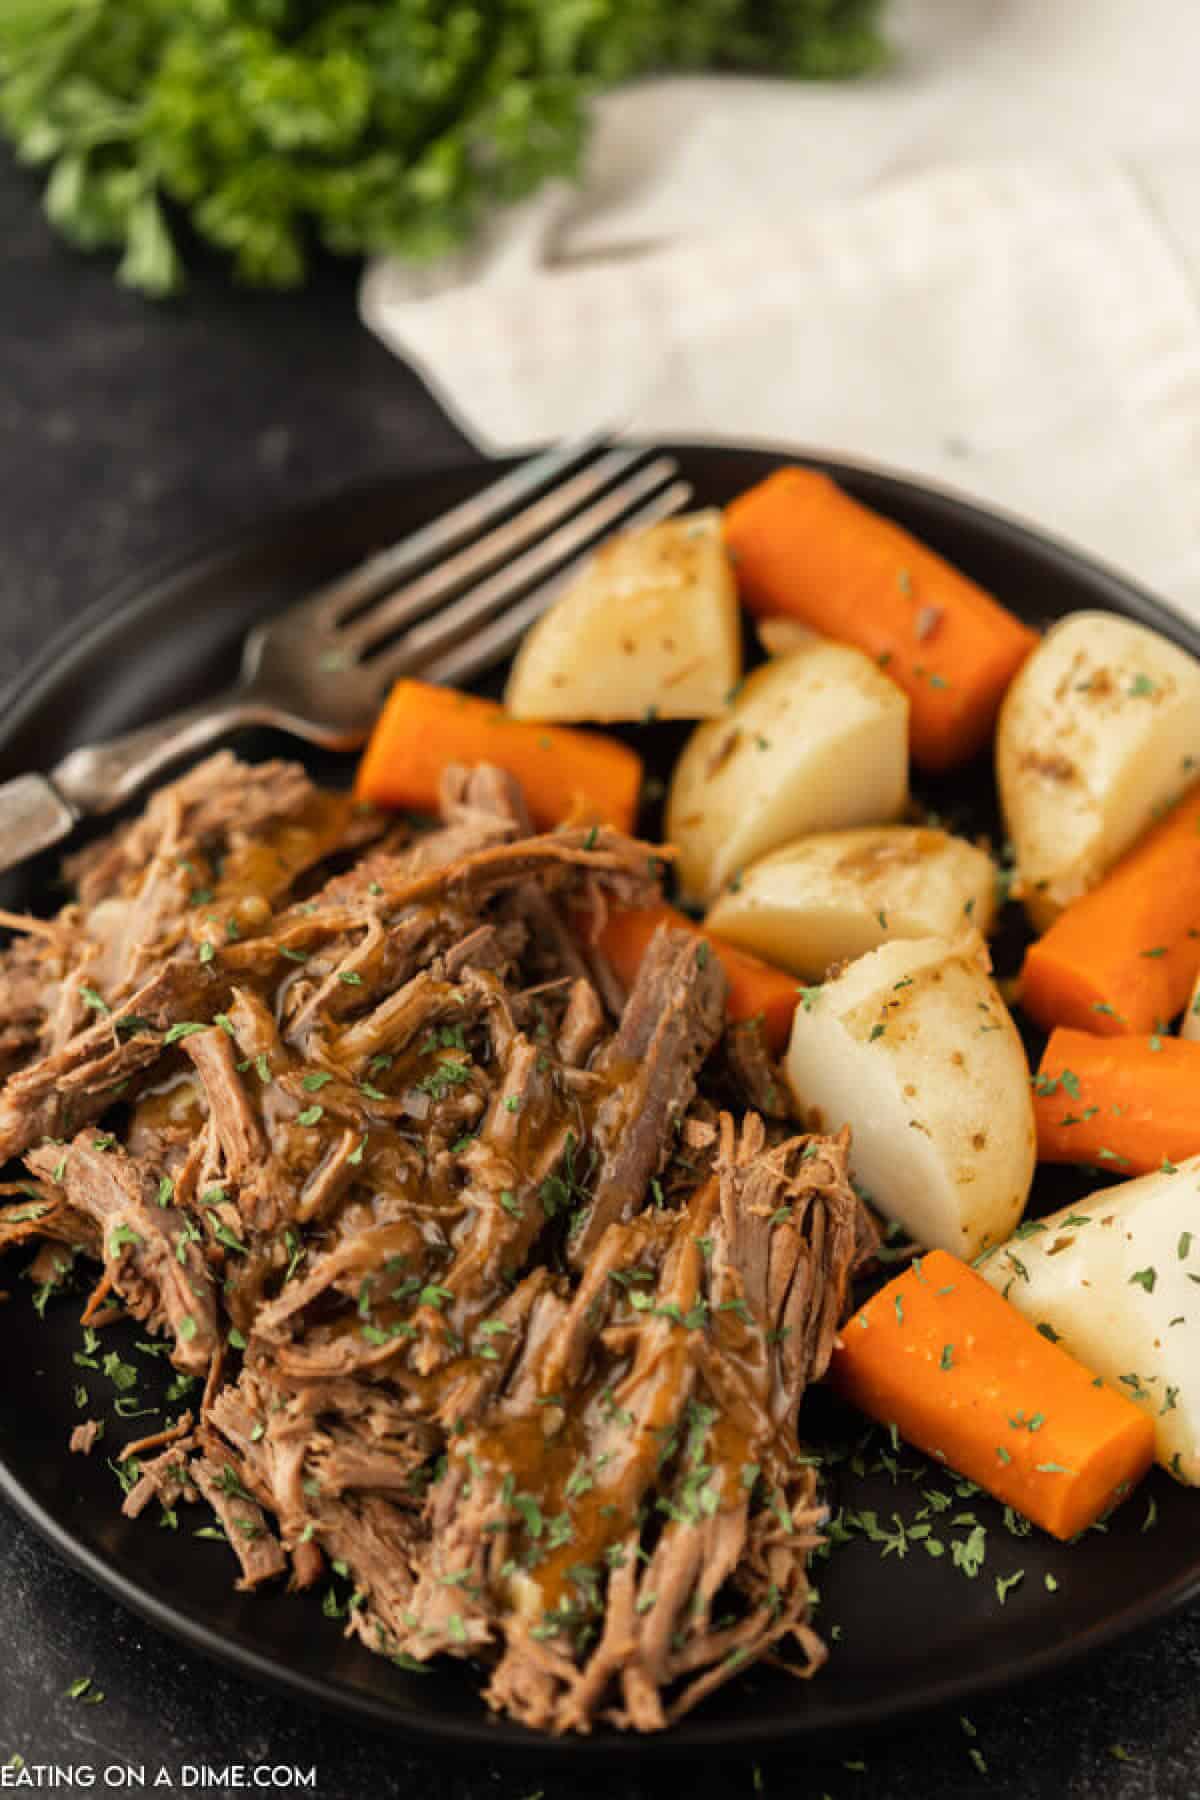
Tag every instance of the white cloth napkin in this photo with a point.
(872, 271)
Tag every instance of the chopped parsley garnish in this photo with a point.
(1006, 1583)
(448, 1074)
(186, 1028)
(433, 1295)
(123, 1375)
(296, 1253)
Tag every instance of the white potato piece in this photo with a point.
(779, 636)
(1117, 1278)
(1189, 1025)
(652, 624)
(1098, 733)
(913, 1048)
(813, 741)
(836, 895)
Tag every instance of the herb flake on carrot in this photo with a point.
(565, 774)
(1091, 1445)
(1121, 1103)
(803, 548)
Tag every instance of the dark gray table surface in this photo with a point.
(127, 433)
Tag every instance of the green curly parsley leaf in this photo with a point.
(277, 126)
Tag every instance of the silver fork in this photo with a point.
(444, 604)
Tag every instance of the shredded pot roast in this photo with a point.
(504, 1284)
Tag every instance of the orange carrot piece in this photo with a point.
(566, 775)
(755, 988)
(1124, 957)
(1120, 1103)
(803, 548)
(963, 1376)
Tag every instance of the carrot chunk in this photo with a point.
(756, 990)
(963, 1376)
(804, 549)
(1126, 1104)
(577, 775)
(1124, 957)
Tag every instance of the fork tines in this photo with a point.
(457, 595)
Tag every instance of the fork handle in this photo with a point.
(97, 778)
(37, 811)
(33, 815)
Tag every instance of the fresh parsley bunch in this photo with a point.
(361, 125)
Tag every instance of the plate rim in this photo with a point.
(126, 599)
(481, 1734)
(501, 1739)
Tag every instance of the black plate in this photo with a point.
(915, 1630)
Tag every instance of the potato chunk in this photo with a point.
(651, 626)
(814, 741)
(838, 894)
(1099, 733)
(1115, 1278)
(913, 1048)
